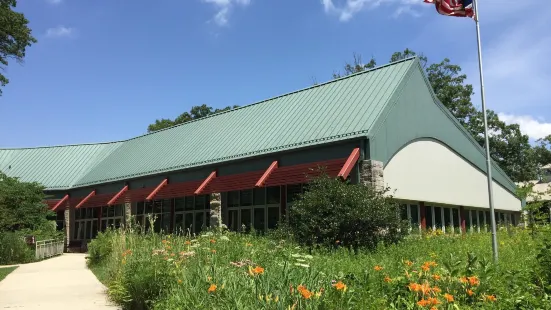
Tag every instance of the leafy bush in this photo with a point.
(100, 248)
(333, 213)
(544, 263)
(14, 249)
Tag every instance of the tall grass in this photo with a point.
(239, 271)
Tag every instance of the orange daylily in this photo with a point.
(256, 270)
(448, 297)
(433, 301)
(436, 289)
(187, 242)
(339, 286)
(470, 292)
(436, 277)
(378, 268)
(306, 294)
(463, 280)
(423, 303)
(490, 298)
(388, 279)
(212, 288)
(408, 262)
(473, 281)
(212, 241)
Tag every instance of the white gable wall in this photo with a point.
(427, 170)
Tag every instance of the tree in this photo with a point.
(22, 205)
(15, 36)
(196, 112)
(508, 146)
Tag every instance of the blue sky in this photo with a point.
(103, 70)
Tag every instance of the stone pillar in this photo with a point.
(67, 219)
(127, 213)
(215, 210)
(371, 173)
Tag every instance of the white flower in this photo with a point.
(302, 265)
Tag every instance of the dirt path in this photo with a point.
(62, 282)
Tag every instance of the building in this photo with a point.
(383, 127)
(541, 190)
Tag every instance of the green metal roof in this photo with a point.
(336, 110)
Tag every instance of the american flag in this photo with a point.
(458, 8)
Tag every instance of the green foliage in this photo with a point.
(4, 272)
(100, 248)
(332, 213)
(22, 206)
(196, 112)
(151, 271)
(15, 36)
(544, 262)
(14, 249)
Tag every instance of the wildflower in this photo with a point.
(423, 303)
(425, 288)
(436, 290)
(187, 242)
(425, 267)
(339, 286)
(212, 241)
(306, 294)
(388, 279)
(449, 298)
(256, 270)
(165, 241)
(212, 288)
(463, 280)
(414, 287)
(470, 292)
(213, 251)
(436, 277)
(187, 254)
(248, 244)
(433, 301)
(168, 247)
(473, 281)
(491, 298)
(378, 268)
(179, 281)
(408, 263)
(433, 308)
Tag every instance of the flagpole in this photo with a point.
(486, 139)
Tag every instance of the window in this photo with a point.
(411, 213)
(456, 220)
(257, 208)
(438, 217)
(191, 214)
(429, 218)
(112, 217)
(156, 212)
(86, 223)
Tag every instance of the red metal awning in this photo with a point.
(51, 203)
(206, 182)
(98, 200)
(156, 190)
(349, 164)
(134, 195)
(92, 193)
(117, 196)
(232, 182)
(301, 173)
(266, 174)
(175, 190)
(60, 202)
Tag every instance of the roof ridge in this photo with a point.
(280, 96)
(57, 146)
(227, 111)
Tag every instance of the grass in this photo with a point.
(5, 271)
(235, 271)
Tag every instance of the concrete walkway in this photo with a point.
(62, 282)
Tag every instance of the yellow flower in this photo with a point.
(448, 297)
(339, 286)
(213, 251)
(212, 288)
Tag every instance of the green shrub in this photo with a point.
(14, 249)
(333, 213)
(544, 263)
(100, 248)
